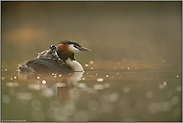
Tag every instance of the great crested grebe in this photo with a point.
(52, 60)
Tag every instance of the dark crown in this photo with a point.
(70, 42)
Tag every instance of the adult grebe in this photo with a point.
(60, 60)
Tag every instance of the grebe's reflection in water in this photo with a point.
(52, 84)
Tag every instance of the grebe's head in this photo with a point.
(66, 49)
(52, 49)
(72, 46)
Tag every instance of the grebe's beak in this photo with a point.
(83, 49)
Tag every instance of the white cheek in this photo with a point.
(73, 49)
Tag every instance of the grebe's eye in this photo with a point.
(76, 46)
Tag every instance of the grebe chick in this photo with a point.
(50, 54)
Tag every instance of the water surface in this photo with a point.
(118, 94)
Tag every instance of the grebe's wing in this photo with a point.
(48, 65)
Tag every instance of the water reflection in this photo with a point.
(51, 83)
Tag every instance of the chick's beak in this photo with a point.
(50, 51)
(84, 49)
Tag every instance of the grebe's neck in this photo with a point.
(66, 53)
(76, 66)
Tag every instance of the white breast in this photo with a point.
(75, 65)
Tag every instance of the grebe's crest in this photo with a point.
(70, 42)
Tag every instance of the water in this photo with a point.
(120, 94)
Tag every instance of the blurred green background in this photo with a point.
(138, 33)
